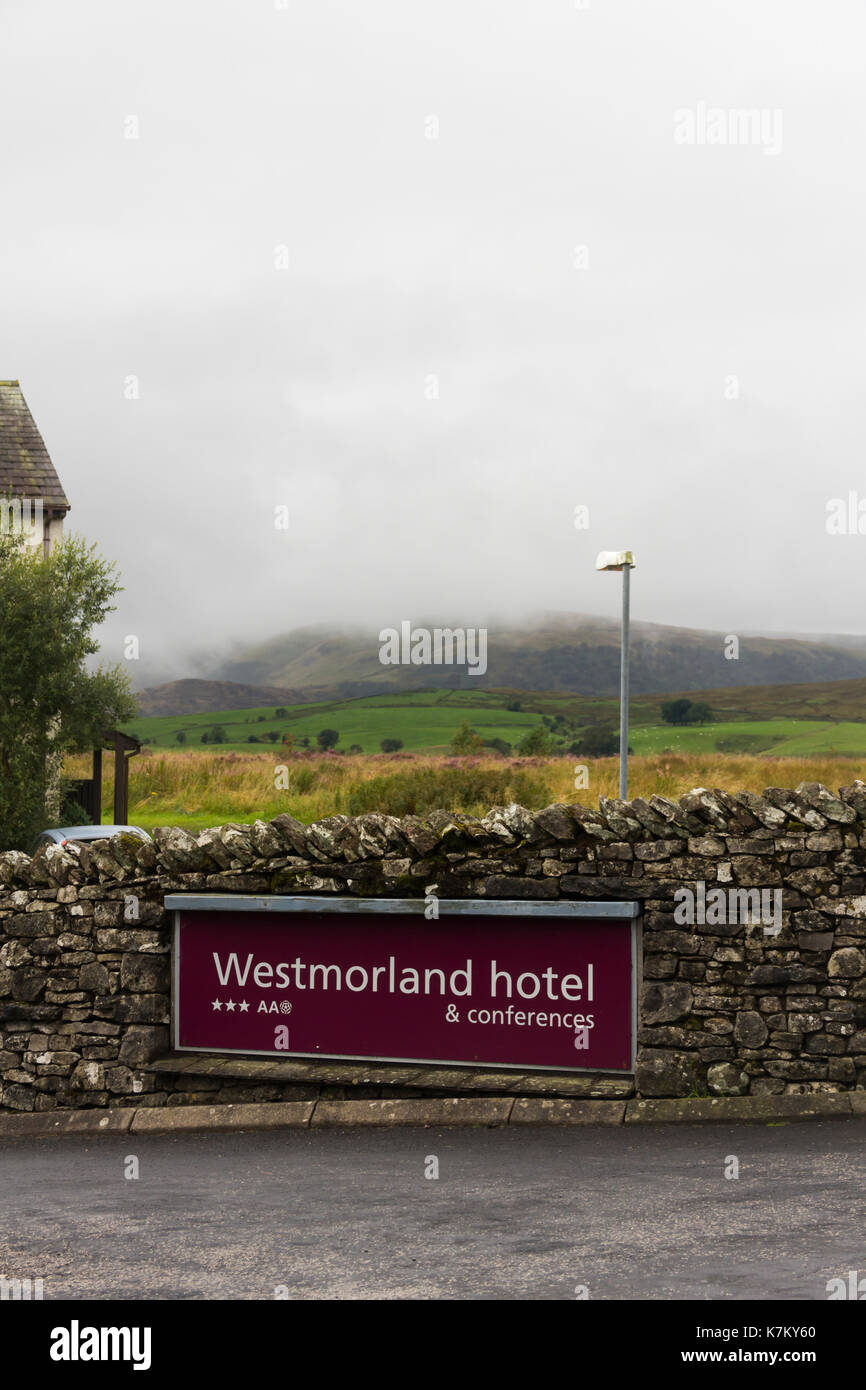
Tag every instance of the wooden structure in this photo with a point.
(87, 791)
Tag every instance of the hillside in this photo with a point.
(202, 697)
(558, 653)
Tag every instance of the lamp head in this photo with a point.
(615, 560)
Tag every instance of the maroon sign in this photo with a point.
(531, 991)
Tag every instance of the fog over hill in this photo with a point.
(559, 652)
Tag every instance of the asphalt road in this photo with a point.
(645, 1213)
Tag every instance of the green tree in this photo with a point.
(50, 703)
(272, 735)
(699, 713)
(391, 745)
(180, 736)
(217, 734)
(327, 738)
(537, 743)
(598, 741)
(281, 712)
(686, 712)
(466, 741)
(676, 711)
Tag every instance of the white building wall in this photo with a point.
(27, 517)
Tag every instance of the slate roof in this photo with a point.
(26, 469)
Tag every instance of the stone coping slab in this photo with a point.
(438, 1111)
(49, 1122)
(425, 1077)
(543, 1110)
(432, 1110)
(177, 1119)
(752, 1109)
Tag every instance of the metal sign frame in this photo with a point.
(466, 907)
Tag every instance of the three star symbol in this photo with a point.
(230, 1005)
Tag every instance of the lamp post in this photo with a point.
(621, 560)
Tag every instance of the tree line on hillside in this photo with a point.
(326, 739)
(555, 735)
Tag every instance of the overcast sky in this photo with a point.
(694, 376)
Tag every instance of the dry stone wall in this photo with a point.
(728, 1006)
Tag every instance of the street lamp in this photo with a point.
(621, 560)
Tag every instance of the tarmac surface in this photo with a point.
(524, 1213)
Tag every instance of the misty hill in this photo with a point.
(201, 697)
(573, 653)
(567, 655)
(197, 696)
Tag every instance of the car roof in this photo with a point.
(92, 832)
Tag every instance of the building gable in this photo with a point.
(26, 469)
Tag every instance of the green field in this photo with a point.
(426, 722)
(781, 737)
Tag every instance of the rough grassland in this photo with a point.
(197, 790)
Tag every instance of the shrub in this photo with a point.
(303, 780)
(466, 741)
(72, 813)
(598, 741)
(537, 743)
(459, 786)
(499, 745)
